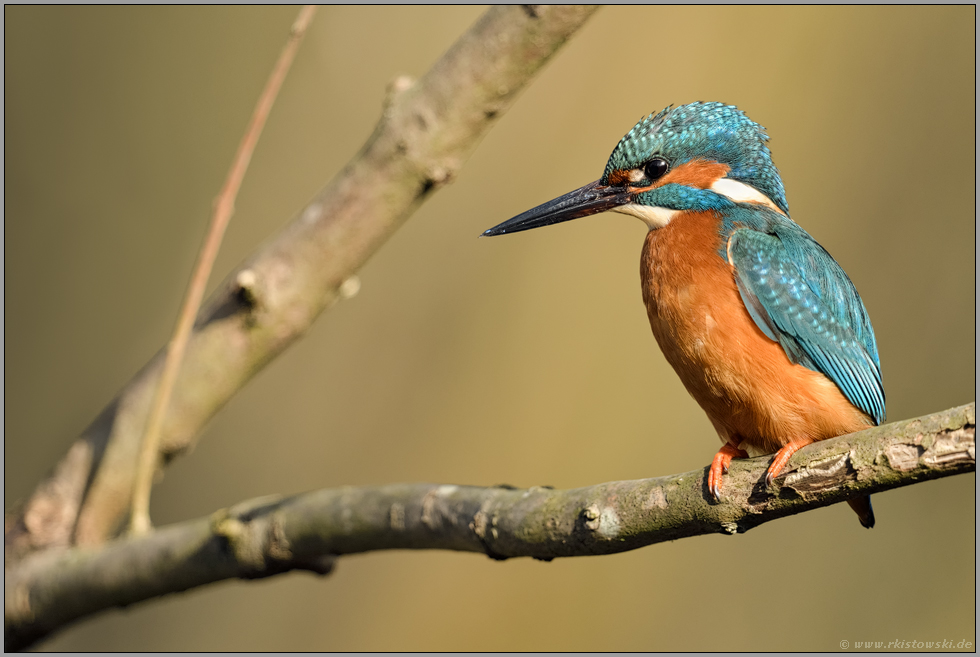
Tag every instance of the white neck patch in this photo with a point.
(653, 217)
(742, 193)
(733, 190)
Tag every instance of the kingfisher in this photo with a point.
(761, 324)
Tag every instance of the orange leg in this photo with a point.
(783, 456)
(719, 466)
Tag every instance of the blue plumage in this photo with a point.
(811, 308)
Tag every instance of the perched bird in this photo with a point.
(764, 328)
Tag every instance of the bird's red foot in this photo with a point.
(782, 458)
(719, 466)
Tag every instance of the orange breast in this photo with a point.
(744, 381)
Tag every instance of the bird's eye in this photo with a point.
(655, 168)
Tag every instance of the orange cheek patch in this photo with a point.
(696, 173)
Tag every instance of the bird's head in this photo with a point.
(702, 156)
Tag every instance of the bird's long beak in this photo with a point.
(591, 199)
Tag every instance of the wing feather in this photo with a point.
(800, 297)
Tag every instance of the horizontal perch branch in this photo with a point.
(272, 535)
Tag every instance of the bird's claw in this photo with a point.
(719, 467)
(782, 458)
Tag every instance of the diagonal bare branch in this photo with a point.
(427, 130)
(268, 536)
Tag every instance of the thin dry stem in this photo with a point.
(224, 207)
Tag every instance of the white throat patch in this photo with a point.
(654, 218)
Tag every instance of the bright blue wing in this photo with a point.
(799, 296)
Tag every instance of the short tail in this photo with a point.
(862, 507)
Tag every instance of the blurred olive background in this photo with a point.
(525, 360)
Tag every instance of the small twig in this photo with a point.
(224, 207)
(272, 535)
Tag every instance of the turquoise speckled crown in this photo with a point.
(713, 131)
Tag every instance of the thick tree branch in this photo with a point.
(269, 536)
(427, 130)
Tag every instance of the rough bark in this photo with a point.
(273, 535)
(427, 129)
